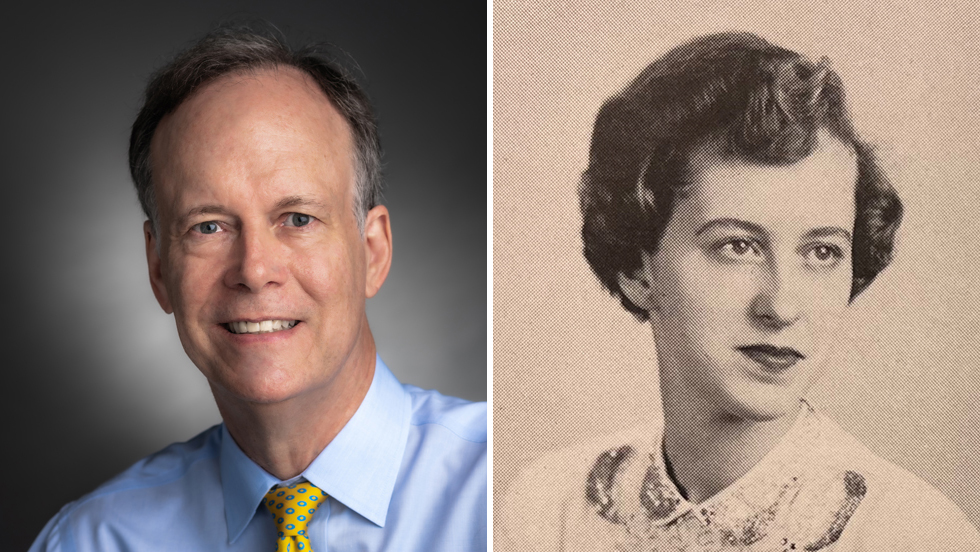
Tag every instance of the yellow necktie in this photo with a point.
(292, 507)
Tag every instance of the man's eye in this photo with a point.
(209, 227)
(298, 219)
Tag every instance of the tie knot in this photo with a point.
(292, 507)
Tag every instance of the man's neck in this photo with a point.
(285, 437)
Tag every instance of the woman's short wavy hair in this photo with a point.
(758, 102)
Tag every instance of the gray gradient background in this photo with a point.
(94, 375)
(570, 363)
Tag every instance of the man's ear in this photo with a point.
(155, 266)
(377, 247)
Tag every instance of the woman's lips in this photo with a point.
(772, 358)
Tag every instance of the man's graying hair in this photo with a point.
(237, 49)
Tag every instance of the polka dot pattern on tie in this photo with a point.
(291, 508)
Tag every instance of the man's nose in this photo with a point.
(777, 303)
(259, 261)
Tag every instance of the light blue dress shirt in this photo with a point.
(408, 472)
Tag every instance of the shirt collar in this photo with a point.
(804, 491)
(783, 459)
(642, 463)
(358, 468)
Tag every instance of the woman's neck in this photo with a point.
(706, 448)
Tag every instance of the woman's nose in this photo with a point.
(777, 304)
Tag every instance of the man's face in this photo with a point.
(254, 180)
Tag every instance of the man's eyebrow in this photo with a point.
(745, 225)
(298, 201)
(284, 203)
(201, 210)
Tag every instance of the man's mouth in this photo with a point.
(772, 358)
(264, 326)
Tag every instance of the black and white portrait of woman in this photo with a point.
(734, 209)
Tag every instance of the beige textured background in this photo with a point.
(569, 362)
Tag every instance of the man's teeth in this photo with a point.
(265, 326)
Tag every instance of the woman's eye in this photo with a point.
(298, 219)
(824, 255)
(740, 249)
(209, 227)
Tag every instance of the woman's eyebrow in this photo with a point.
(826, 231)
(729, 222)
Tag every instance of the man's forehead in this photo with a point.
(272, 124)
(281, 98)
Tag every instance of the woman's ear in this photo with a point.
(637, 289)
(641, 286)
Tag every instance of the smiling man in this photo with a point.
(258, 169)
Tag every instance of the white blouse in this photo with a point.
(818, 489)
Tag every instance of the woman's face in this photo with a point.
(752, 278)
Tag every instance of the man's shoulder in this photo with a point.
(164, 466)
(442, 480)
(431, 410)
(162, 475)
(447, 440)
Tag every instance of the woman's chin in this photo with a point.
(761, 405)
(738, 393)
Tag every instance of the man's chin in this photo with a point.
(261, 385)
